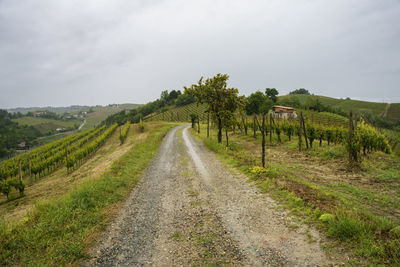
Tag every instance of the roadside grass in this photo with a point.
(363, 207)
(59, 232)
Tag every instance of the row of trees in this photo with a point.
(225, 103)
(175, 97)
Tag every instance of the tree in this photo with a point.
(272, 94)
(258, 103)
(174, 95)
(184, 99)
(164, 96)
(300, 91)
(220, 99)
(254, 103)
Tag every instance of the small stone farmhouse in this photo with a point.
(284, 112)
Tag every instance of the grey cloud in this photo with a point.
(98, 52)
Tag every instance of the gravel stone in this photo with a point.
(190, 209)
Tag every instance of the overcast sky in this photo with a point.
(65, 52)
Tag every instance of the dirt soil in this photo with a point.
(328, 173)
(189, 209)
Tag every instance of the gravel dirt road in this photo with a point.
(189, 209)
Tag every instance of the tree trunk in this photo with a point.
(208, 125)
(219, 130)
(300, 129)
(255, 125)
(245, 126)
(227, 139)
(304, 129)
(270, 129)
(263, 142)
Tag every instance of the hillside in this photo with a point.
(47, 126)
(388, 112)
(95, 115)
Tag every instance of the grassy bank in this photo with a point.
(59, 232)
(358, 210)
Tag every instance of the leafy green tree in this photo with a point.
(258, 103)
(272, 94)
(220, 99)
(174, 95)
(184, 99)
(254, 103)
(164, 96)
(300, 91)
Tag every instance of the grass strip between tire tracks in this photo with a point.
(60, 231)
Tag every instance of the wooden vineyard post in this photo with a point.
(355, 120)
(208, 125)
(19, 170)
(66, 156)
(270, 129)
(263, 141)
(245, 125)
(351, 138)
(304, 129)
(21, 186)
(30, 168)
(254, 125)
(300, 129)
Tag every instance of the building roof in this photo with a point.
(283, 107)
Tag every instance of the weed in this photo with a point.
(177, 236)
(193, 193)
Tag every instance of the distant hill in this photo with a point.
(71, 109)
(386, 111)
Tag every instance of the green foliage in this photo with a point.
(347, 227)
(80, 154)
(222, 102)
(258, 103)
(11, 134)
(395, 232)
(258, 171)
(124, 132)
(46, 157)
(5, 188)
(327, 217)
(272, 94)
(141, 125)
(193, 119)
(300, 91)
(184, 99)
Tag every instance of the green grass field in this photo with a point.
(46, 126)
(102, 112)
